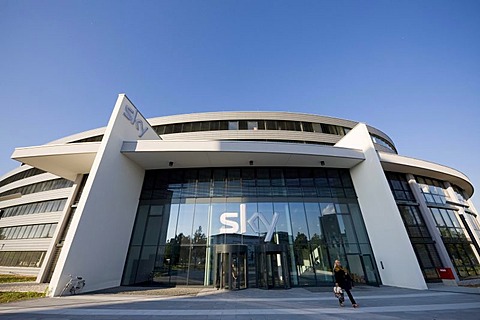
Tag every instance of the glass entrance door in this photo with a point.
(231, 267)
(272, 266)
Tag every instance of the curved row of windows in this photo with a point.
(251, 125)
(32, 231)
(286, 125)
(21, 175)
(287, 141)
(89, 139)
(34, 207)
(32, 259)
(40, 186)
(379, 140)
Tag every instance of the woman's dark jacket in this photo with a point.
(342, 278)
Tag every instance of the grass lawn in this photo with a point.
(15, 296)
(6, 278)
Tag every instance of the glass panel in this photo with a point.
(197, 265)
(139, 229)
(152, 233)
(21, 232)
(131, 265)
(217, 236)
(271, 125)
(146, 264)
(184, 225)
(45, 231)
(232, 125)
(172, 213)
(200, 224)
(51, 232)
(33, 231)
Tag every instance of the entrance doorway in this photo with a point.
(231, 266)
(272, 266)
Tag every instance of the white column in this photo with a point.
(97, 241)
(394, 255)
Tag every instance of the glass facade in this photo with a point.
(422, 241)
(269, 226)
(454, 235)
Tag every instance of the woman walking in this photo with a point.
(344, 281)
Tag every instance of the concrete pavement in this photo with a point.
(439, 303)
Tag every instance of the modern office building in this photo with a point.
(233, 200)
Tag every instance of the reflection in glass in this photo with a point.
(185, 216)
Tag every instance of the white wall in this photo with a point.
(97, 241)
(389, 239)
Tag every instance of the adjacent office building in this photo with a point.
(234, 200)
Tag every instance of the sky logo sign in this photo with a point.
(131, 114)
(236, 222)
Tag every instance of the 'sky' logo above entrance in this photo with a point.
(240, 226)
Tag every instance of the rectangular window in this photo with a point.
(38, 233)
(159, 129)
(51, 231)
(271, 125)
(214, 125)
(168, 129)
(45, 231)
(252, 125)
(50, 206)
(205, 126)
(33, 230)
(242, 125)
(282, 125)
(317, 127)
(307, 127)
(232, 125)
(177, 128)
(187, 127)
(290, 125)
(223, 125)
(16, 232)
(196, 126)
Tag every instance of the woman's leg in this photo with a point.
(352, 300)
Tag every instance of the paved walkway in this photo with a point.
(386, 303)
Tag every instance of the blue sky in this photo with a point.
(408, 68)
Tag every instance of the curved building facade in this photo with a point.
(234, 200)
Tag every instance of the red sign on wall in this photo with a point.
(446, 273)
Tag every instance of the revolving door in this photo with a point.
(231, 266)
(272, 266)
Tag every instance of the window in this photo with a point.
(40, 186)
(252, 125)
(21, 258)
(232, 125)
